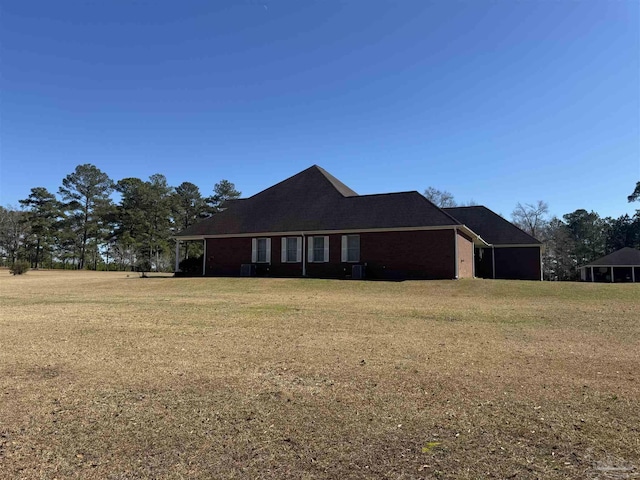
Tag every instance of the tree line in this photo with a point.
(82, 227)
(570, 241)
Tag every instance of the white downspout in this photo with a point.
(473, 260)
(455, 239)
(177, 255)
(204, 258)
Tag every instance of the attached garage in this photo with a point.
(512, 254)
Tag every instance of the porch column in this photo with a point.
(633, 274)
(177, 256)
(304, 256)
(592, 279)
(204, 257)
(611, 274)
(541, 264)
(473, 261)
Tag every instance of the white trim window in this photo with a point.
(291, 250)
(260, 250)
(318, 249)
(351, 248)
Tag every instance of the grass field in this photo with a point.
(109, 376)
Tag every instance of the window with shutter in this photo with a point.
(261, 250)
(319, 249)
(291, 249)
(351, 248)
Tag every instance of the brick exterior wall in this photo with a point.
(465, 256)
(425, 254)
(428, 254)
(225, 255)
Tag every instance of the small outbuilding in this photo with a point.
(620, 266)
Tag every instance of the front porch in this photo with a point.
(193, 263)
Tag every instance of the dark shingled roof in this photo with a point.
(314, 200)
(624, 256)
(490, 226)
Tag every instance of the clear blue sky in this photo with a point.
(500, 101)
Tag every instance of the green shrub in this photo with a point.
(192, 265)
(19, 267)
(143, 267)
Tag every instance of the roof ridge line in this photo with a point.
(281, 182)
(386, 193)
(500, 216)
(334, 180)
(458, 222)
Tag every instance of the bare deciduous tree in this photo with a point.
(531, 217)
(440, 198)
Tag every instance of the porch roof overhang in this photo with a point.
(477, 239)
(188, 238)
(610, 266)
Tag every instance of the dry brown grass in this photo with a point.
(104, 375)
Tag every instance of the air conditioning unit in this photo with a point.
(247, 270)
(357, 272)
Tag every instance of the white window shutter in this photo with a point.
(310, 249)
(344, 248)
(326, 249)
(268, 250)
(283, 251)
(254, 250)
(299, 252)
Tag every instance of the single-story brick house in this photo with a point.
(313, 225)
(620, 266)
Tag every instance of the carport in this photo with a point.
(621, 266)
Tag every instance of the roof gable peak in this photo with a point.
(313, 181)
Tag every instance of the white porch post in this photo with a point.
(177, 255)
(611, 274)
(304, 256)
(592, 279)
(473, 261)
(204, 257)
(541, 264)
(633, 274)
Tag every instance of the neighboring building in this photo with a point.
(620, 266)
(512, 253)
(311, 224)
